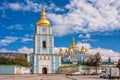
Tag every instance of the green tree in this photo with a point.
(14, 61)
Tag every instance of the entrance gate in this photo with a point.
(44, 70)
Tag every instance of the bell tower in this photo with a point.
(43, 38)
(43, 59)
(43, 45)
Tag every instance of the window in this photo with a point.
(44, 44)
(44, 57)
(48, 58)
(40, 57)
(44, 30)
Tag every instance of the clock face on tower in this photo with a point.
(44, 30)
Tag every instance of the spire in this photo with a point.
(43, 21)
(73, 41)
(43, 14)
(73, 46)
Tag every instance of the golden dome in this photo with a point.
(86, 50)
(73, 44)
(66, 52)
(61, 51)
(70, 49)
(83, 49)
(43, 19)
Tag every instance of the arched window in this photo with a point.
(44, 44)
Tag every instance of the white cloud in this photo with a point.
(25, 49)
(87, 35)
(53, 7)
(28, 35)
(101, 15)
(29, 5)
(16, 26)
(7, 40)
(5, 50)
(106, 53)
(11, 39)
(88, 40)
(87, 45)
(81, 16)
(84, 35)
(15, 6)
(26, 39)
(56, 49)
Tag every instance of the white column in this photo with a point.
(54, 64)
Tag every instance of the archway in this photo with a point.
(44, 70)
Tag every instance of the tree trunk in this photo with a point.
(96, 69)
(119, 73)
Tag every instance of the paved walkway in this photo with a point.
(49, 77)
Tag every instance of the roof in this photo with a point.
(107, 62)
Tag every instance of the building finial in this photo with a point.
(42, 3)
(43, 21)
(73, 41)
(73, 45)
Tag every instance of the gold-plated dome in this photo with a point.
(86, 52)
(73, 44)
(83, 49)
(70, 49)
(61, 51)
(43, 19)
(66, 52)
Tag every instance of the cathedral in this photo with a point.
(43, 59)
(73, 54)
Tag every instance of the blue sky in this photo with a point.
(93, 23)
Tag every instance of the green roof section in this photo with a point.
(107, 62)
(66, 62)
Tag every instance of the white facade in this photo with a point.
(43, 59)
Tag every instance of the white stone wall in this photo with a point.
(14, 70)
(44, 63)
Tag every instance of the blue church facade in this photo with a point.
(73, 54)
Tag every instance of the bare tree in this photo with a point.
(118, 64)
(97, 60)
(109, 59)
